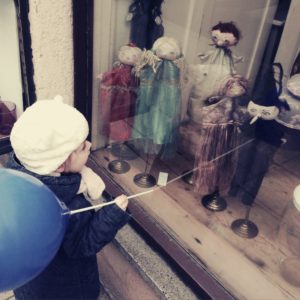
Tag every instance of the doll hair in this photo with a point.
(149, 57)
(167, 40)
(228, 27)
(233, 86)
(130, 48)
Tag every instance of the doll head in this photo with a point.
(225, 34)
(264, 112)
(266, 103)
(167, 48)
(129, 54)
(233, 86)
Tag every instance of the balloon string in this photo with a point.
(72, 212)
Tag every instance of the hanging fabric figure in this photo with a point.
(215, 70)
(158, 104)
(215, 161)
(214, 111)
(146, 22)
(117, 95)
(255, 157)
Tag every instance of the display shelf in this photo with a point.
(246, 268)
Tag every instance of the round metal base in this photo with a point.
(244, 228)
(121, 150)
(188, 178)
(214, 202)
(119, 166)
(144, 180)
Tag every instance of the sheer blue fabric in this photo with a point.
(158, 109)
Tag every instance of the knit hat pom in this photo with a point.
(47, 133)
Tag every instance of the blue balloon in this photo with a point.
(32, 226)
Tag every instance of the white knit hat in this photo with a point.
(46, 134)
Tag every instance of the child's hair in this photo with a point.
(46, 134)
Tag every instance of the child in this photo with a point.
(49, 142)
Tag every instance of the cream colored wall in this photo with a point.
(52, 48)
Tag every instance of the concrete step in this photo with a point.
(132, 269)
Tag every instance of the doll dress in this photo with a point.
(117, 97)
(158, 109)
(218, 137)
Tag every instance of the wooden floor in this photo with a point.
(248, 268)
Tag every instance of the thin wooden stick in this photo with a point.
(72, 212)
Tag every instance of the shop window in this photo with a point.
(201, 124)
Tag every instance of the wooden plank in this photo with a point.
(274, 195)
(277, 189)
(283, 155)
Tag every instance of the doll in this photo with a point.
(158, 104)
(117, 95)
(218, 136)
(214, 113)
(217, 66)
(255, 157)
(210, 80)
(146, 22)
(262, 137)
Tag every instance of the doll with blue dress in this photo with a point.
(158, 103)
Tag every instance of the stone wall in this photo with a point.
(52, 48)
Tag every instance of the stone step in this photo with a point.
(132, 269)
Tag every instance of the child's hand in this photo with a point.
(122, 202)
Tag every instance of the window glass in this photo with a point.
(195, 112)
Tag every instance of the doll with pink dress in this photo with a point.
(117, 95)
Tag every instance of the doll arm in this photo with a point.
(205, 56)
(237, 59)
(148, 58)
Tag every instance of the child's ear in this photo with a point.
(61, 168)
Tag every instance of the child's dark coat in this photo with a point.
(73, 273)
